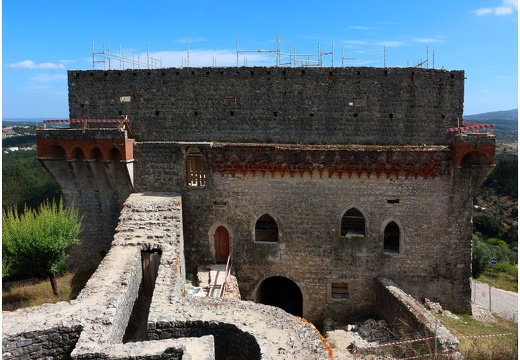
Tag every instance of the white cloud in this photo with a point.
(428, 40)
(191, 40)
(359, 27)
(484, 11)
(46, 78)
(507, 8)
(391, 43)
(511, 3)
(503, 10)
(28, 64)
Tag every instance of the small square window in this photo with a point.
(339, 291)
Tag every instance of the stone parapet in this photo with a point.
(402, 311)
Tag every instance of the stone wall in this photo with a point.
(433, 214)
(353, 105)
(404, 313)
(92, 326)
(47, 343)
(303, 146)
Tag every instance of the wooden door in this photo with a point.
(221, 245)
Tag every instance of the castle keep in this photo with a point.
(316, 181)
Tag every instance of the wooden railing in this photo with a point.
(229, 266)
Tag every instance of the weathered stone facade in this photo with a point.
(305, 145)
(94, 326)
(316, 181)
(353, 105)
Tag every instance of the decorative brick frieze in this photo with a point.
(428, 162)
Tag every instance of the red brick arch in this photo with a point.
(86, 149)
(469, 154)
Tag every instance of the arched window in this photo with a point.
(195, 170)
(391, 241)
(353, 223)
(266, 229)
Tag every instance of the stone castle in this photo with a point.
(315, 182)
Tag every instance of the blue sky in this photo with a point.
(41, 40)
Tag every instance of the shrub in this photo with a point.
(39, 238)
(480, 257)
(504, 266)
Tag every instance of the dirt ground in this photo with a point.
(340, 339)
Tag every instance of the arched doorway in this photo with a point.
(281, 292)
(221, 245)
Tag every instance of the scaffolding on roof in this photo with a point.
(107, 57)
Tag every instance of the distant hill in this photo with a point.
(506, 123)
(31, 120)
(511, 115)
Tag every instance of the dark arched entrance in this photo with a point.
(281, 292)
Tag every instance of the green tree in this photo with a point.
(480, 257)
(25, 181)
(40, 237)
(488, 225)
(505, 176)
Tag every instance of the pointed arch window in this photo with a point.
(266, 229)
(391, 238)
(353, 223)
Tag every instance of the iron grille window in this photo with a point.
(195, 170)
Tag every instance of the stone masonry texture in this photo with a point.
(92, 326)
(302, 146)
(281, 105)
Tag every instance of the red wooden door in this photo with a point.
(221, 245)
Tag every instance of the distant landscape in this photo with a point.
(506, 123)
